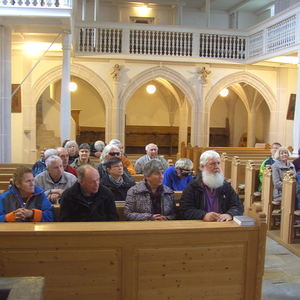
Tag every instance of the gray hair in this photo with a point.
(82, 169)
(184, 163)
(105, 152)
(71, 143)
(115, 142)
(99, 145)
(208, 155)
(49, 152)
(52, 158)
(281, 149)
(151, 166)
(146, 148)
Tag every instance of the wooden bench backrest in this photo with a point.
(251, 183)
(245, 153)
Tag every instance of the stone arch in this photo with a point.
(53, 75)
(250, 79)
(77, 70)
(151, 74)
(158, 72)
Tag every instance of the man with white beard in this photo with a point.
(209, 197)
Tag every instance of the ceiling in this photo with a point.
(228, 6)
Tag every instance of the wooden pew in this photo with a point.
(267, 195)
(120, 206)
(288, 204)
(245, 153)
(138, 260)
(286, 236)
(138, 177)
(5, 177)
(238, 171)
(251, 184)
(4, 185)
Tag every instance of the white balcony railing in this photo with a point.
(280, 32)
(175, 42)
(267, 39)
(36, 3)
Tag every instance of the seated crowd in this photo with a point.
(88, 192)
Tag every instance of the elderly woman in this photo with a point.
(25, 202)
(115, 179)
(109, 152)
(179, 175)
(73, 150)
(279, 168)
(150, 199)
(83, 159)
(125, 160)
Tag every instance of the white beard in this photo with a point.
(213, 180)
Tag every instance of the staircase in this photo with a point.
(45, 139)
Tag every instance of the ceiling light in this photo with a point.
(142, 10)
(151, 89)
(72, 86)
(285, 59)
(34, 49)
(224, 92)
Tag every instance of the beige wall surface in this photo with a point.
(104, 102)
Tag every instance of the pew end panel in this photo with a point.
(267, 195)
(288, 206)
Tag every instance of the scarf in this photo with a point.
(155, 198)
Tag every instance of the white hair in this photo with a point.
(208, 155)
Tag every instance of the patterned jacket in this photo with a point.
(138, 205)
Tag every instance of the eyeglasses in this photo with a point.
(117, 166)
(114, 153)
(186, 172)
(64, 156)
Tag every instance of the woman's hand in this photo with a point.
(158, 217)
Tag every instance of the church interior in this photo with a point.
(224, 76)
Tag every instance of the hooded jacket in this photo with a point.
(12, 200)
(192, 202)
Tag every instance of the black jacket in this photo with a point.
(74, 208)
(119, 192)
(192, 202)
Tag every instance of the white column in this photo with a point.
(5, 94)
(207, 12)
(183, 123)
(199, 127)
(251, 130)
(297, 115)
(65, 102)
(177, 15)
